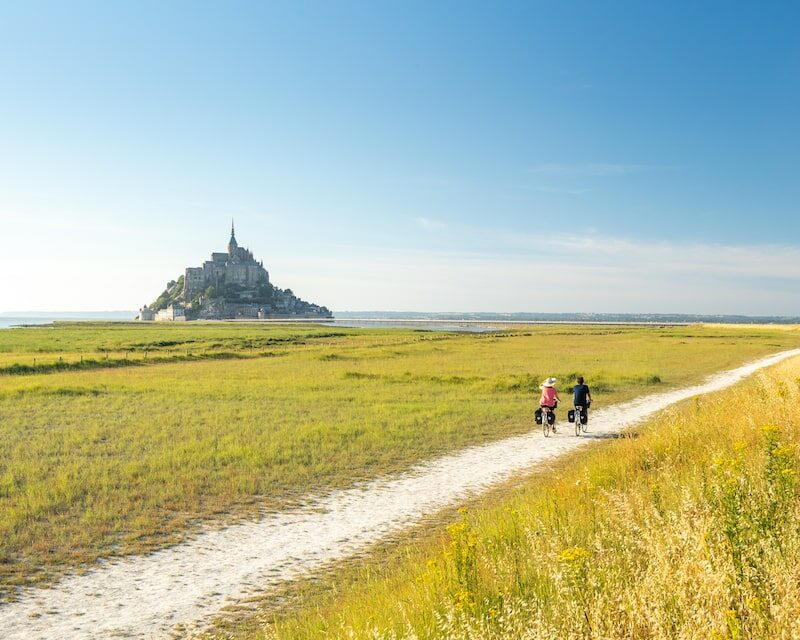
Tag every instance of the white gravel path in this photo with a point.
(145, 596)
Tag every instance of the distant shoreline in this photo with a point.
(434, 320)
(468, 322)
(362, 323)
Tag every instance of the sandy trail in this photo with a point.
(145, 597)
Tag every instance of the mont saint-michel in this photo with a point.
(232, 284)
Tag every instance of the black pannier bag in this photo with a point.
(538, 416)
(585, 416)
(551, 418)
(571, 415)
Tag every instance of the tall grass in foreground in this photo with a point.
(687, 528)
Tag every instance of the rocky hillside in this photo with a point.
(228, 300)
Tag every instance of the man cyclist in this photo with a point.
(581, 397)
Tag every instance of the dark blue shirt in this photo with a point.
(580, 395)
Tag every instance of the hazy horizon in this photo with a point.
(394, 314)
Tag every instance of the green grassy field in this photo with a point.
(685, 528)
(67, 346)
(111, 459)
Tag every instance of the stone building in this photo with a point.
(146, 314)
(173, 313)
(236, 267)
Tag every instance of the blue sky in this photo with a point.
(589, 156)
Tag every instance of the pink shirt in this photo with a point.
(548, 396)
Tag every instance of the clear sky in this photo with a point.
(448, 156)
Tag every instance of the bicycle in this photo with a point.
(546, 416)
(576, 419)
(580, 417)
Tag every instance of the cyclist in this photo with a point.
(549, 399)
(582, 397)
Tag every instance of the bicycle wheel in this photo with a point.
(545, 426)
(577, 423)
(585, 425)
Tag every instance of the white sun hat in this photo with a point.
(550, 382)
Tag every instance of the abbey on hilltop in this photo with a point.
(230, 285)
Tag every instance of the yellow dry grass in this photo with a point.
(685, 528)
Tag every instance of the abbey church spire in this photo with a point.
(232, 244)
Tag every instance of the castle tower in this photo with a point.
(232, 244)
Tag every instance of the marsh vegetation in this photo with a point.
(225, 420)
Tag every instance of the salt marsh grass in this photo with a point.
(111, 460)
(685, 528)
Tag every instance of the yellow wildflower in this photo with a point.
(573, 554)
(755, 603)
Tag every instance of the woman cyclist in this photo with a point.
(549, 398)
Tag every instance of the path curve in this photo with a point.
(145, 596)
